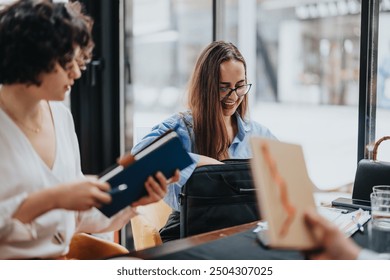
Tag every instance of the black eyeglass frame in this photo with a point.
(223, 99)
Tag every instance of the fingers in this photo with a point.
(310, 219)
(82, 195)
(100, 193)
(174, 178)
(317, 230)
(317, 221)
(101, 197)
(322, 230)
(159, 188)
(126, 160)
(103, 186)
(156, 190)
(331, 242)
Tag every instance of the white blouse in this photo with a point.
(22, 171)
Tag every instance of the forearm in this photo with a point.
(204, 160)
(35, 205)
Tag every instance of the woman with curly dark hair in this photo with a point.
(44, 197)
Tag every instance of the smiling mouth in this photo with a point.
(229, 104)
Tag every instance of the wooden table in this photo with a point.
(189, 242)
(234, 243)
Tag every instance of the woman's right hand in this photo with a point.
(77, 196)
(204, 160)
(81, 195)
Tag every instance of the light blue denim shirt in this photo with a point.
(239, 149)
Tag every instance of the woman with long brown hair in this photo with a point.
(216, 126)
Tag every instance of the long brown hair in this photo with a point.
(211, 137)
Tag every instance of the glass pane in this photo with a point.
(162, 41)
(306, 71)
(383, 82)
(5, 2)
(306, 81)
(167, 38)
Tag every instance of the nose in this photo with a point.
(236, 94)
(75, 72)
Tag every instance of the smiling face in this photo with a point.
(232, 75)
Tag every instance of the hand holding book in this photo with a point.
(136, 179)
(284, 192)
(156, 185)
(156, 189)
(331, 243)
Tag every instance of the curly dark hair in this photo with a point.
(36, 34)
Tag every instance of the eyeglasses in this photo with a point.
(226, 92)
(81, 63)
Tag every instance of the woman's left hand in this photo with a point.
(156, 189)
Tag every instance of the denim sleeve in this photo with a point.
(156, 131)
(178, 125)
(172, 197)
(263, 131)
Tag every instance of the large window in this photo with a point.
(307, 72)
(163, 39)
(383, 81)
(303, 59)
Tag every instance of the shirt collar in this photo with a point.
(242, 126)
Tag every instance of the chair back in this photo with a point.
(87, 247)
(146, 225)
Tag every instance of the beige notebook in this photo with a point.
(284, 191)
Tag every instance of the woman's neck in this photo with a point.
(23, 108)
(20, 101)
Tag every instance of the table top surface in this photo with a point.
(238, 242)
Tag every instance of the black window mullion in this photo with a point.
(367, 79)
(95, 97)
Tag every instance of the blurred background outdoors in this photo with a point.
(303, 59)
